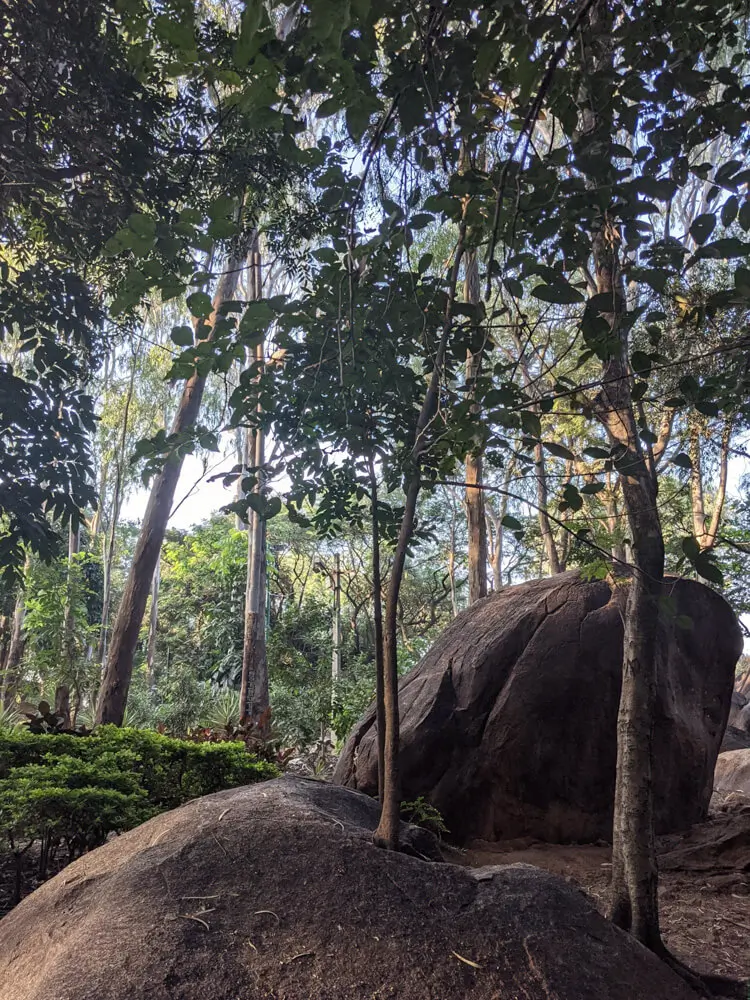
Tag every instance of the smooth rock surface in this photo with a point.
(276, 892)
(508, 724)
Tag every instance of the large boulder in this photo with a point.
(508, 724)
(739, 712)
(276, 891)
(735, 739)
(732, 773)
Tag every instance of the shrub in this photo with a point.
(76, 790)
(170, 770)
(421, 813)
(66, 800)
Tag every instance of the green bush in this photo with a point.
(71, 800)
(171, 771)
(62, 789)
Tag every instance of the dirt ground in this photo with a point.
(705, 913)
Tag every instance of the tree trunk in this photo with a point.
(474, 496)
(12, 676)
(452, 561)
(254, 698)
(634, 874)
(335, 637)
(697, 502)
(239, 450)
(153, 622)
(109, 542)
(711, 533)
(542, 494)
(69, 650)
(387, 832)
(5, 633)
(377, 618)
(119, 668)
(62, 704)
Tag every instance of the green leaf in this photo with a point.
(559, 450)
(591, 488)
(220, 207)
(596, 452)
(708, 569)
(512, 522)
(682, 461)
(559, 293)
(183, 336)
(690, 547)
(729, 210)
(725, 248)
(572, 497)
(703, 226)
(329, 107)
(200, 305)
(641, 362)
(222, 229)
(531, 424)
(142, 225)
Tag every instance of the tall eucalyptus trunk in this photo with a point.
(254, 695)
(118, 671)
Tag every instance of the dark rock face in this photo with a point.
(508, 724)
(735, 739)
(276, 892)
(739, 712)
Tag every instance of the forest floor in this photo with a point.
(704, 893)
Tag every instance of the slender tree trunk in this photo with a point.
(335, 637)
(697, 502)
(109, 542)
(254, 697)
(119, 667)
(153, 623)
(474, 495)
(542, 494)
(12, 675)
(452, 563)
(240, 450)
(387, 832)
(62, 704)
(69, 650)
(712, 532)
(96, 520)
(634, 873)
(5, 633)
(377, 618)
